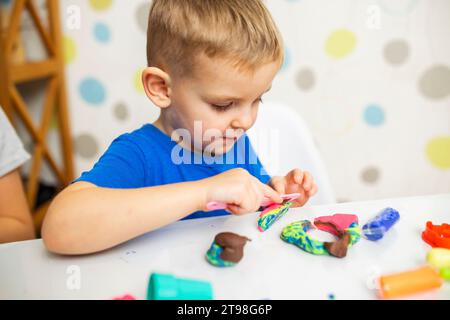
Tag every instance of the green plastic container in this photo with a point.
(167, 287)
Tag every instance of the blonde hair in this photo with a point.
(241, 31)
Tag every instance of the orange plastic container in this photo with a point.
(409, 282)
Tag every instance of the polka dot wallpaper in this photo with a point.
(370, 77)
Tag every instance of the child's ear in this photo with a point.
(157, 86)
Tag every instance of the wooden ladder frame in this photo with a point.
(52, 69)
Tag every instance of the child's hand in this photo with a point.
(296, 181)
(239, 189)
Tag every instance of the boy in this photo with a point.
(209, 63)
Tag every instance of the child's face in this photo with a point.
(218, 97)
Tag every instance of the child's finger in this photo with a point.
(300, 201)
(279, 185)
(313, 190)
(256, 197)
(295, 176)
(233, 209)
(272, 194)
(307, 181)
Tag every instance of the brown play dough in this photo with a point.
(232, 244)
(339, 247)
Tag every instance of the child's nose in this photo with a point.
(244, 120)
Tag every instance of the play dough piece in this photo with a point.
(341, 220)
(375, 228)
(445, 274)
(296, 233)
(439, 258)
(437, 235)
(272, 214)
(125, 297)
(346, 238)
(226, 250)
(213, 256)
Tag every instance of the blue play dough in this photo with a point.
(376, 228)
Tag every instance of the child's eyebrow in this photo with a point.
(235, 98)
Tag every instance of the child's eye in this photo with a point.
(221, 108)
(257, 102)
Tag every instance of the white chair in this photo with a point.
(283, 142)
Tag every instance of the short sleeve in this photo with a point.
(122, 166)
(12, 152)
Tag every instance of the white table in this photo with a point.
(270, 269)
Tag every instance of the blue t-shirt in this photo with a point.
(148, 157)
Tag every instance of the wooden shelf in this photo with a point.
(34, 70)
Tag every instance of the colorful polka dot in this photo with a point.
(102, 33)
(121, 112)
(70, 49)
(435, 82)
(92, 91)
(100, 5)
(286, 61)
(396, 52)
(305, 79)
(340, 43)
(370, 175)
(438, 152)
(86, 146)
(374, 115)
